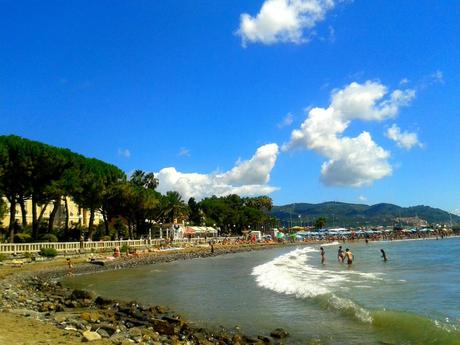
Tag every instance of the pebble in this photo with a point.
(79, 312)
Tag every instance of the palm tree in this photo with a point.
(145, 180)
(320, 223)
(173, 207)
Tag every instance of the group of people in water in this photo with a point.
(346, 256)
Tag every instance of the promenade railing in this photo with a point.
(97, 246)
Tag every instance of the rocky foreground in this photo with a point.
(95, 318)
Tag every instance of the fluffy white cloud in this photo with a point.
(246, 178)
(404, 139)
(351, 161)
(282, 21)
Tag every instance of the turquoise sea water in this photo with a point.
(414, 298)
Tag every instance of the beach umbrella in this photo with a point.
(189, 231)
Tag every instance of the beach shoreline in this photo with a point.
(35, 295)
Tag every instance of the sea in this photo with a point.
(411, 299)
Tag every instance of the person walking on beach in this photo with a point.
(69, 267)
(349, 256)
(340, 254)
(211, 244)
(323, 255)
(384, 255)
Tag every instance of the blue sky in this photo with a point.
(213, 91)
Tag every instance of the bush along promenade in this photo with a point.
(90, 318)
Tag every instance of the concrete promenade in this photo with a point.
(96, 246)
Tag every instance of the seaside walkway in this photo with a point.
(96, 246)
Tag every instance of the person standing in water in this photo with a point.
(349, 256)
(340, 255)
(384, 255)
(323, 255)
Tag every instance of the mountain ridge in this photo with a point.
(351, 214)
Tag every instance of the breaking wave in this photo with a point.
(291, 274)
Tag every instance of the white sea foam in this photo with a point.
(290, 274)
(335, 243)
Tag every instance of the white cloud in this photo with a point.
(404, 81)
(124, 153)
(437, 77)
(351, 161)
(362, 198)
(287, 121)
(283, 21)
(406, 140)
(429, 80)
(246, 178)
(184, 152)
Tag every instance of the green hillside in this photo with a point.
(344, 214)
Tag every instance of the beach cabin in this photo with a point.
(200, 232)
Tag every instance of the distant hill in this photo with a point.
(344, 214)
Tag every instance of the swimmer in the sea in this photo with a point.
(340, 254)
(349, 256)
(384, 255)
(323, 255)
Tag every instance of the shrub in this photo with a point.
(124, 248)
(48, 252)
(2, 257)
(49, 238)
(22, 238)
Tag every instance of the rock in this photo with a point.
(47, 306)
(173, 320)
(127, 342)
(90, 316)
(265, 339)
(236, 338)
(135, 332)
(118, 337)
(252, 340)
(60, 317)
(131, 322)
(103, 302)
(103, 333)
(279, 333)
(80, 295)
(149, 334)
(107, 328)
(164, 327)
(71, 304)
(161, 309)
(78, 324)
(90, 336)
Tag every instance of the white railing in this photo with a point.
(94, 246)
